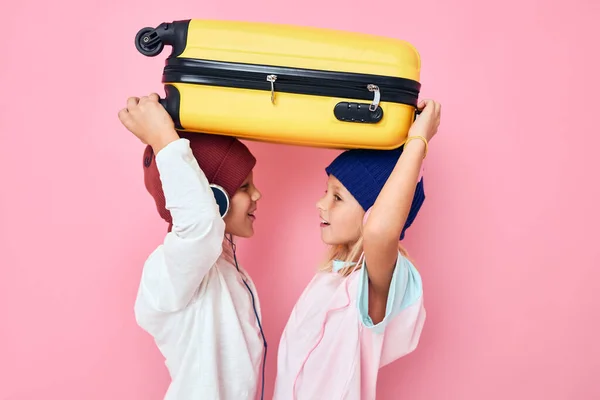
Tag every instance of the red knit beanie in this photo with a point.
(225, 161)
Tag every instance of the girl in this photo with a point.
(194, 299)
(365, 308)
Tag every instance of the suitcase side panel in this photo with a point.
(302, 47)
(293, 119)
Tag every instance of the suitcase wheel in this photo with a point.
(148, 42)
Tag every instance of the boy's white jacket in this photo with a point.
(191, 297)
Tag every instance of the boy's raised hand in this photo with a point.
(147, 119)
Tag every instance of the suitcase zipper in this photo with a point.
(377, 96)
(272, 79)
(293, 80)
(370, 87)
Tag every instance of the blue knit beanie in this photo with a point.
(364, 172)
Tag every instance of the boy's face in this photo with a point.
(341, 215)
(239, 220)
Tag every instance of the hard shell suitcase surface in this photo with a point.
(287, 84)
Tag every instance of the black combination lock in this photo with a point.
(357, 112)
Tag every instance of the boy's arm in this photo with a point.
(174, 271)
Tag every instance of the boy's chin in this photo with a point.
(241, 232)
(245, 235)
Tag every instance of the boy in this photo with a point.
(197, 303)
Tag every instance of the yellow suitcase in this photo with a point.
(287, 84)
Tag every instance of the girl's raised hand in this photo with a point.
(428, 121)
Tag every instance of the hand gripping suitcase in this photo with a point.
(287, 84)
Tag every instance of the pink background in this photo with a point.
(507, 241)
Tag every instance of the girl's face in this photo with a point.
(341, 215)
(239, 220)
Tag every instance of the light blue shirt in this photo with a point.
(405, 289)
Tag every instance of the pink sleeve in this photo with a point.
(402, 334)
(404, 314)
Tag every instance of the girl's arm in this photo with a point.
(389, 213)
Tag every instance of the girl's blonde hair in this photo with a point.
(349, 253)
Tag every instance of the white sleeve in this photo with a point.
(404, 312)
(174, 271)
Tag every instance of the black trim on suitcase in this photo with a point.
(298, 81)
(290, 80)
(171, 104)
